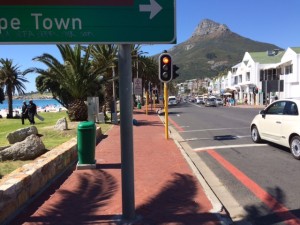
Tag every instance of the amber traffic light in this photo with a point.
(165, 72)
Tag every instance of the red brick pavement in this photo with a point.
(166, 190)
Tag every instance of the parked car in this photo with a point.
(172, 100)
(211, 102)
(219, 101)
(279, 123)
(200, 100)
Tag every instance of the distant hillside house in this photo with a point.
(261, 76)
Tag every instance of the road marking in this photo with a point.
(246, 136)
(228, 146)
(234, 128)
(278, 209)
(198, 105)
(195, 139)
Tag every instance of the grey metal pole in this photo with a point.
(125, 71)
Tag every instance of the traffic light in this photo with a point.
(165, 73)
(175, 75)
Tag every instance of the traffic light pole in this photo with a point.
(147, 102)
(166, 111)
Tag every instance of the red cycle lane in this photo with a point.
(279, 209)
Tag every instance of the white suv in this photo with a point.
(172, 100)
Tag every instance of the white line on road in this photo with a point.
(228, 146)
(195, 139)
(238, 128)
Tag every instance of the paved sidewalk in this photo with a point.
(166, 190)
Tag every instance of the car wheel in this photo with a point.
(255, 135)
(295, 147)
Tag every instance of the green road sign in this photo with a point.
(87, 21)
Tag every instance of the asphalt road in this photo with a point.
(257, 183)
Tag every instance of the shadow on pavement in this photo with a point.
(77, 204)
(179, 207)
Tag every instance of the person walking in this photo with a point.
(24, 112)
(31, 108)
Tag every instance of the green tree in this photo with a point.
(105, 62)
(2, 96)
(71, 81)
(12, 80)
(144, 67)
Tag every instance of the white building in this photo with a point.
(272, 73)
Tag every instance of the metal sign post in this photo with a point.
(126, 132)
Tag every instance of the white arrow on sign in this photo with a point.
(153, 8)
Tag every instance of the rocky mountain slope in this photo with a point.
(211, 49)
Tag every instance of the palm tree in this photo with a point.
(12, 80)
(2, 96)
(105, 61)
(148, 71)
(71, 81)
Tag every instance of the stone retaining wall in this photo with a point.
(23, 183)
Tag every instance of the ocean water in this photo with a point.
(42, 103)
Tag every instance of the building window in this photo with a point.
(236, 80)
(288, 69)
(262, 75)
(270, 73)
(279, 72)
(240, 78)
(248, 76)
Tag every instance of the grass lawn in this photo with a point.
(51, 138)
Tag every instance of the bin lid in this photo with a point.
(86, 125)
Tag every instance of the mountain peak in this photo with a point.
(208, 28)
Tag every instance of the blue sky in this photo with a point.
(270, 21)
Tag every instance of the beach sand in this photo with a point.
(4, 112)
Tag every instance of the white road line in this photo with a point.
(197, 105)
(195, 139)
(246, 136)
(239, 128)
(228, 146)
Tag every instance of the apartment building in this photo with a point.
(261, 76)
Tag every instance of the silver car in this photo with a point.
(219, 101)
(211, 102)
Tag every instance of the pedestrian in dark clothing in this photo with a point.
(24, 112)
(31, 108)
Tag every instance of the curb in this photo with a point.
(217, 207)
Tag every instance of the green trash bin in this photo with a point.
(139, 105)
(86, 142)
